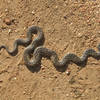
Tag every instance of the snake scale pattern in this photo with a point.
(36, 49)
(32, 30)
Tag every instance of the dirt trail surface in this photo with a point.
(69, 26)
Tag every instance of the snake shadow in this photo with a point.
(60, 69)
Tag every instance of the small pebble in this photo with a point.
(79, 35)
(66, 2)
(67, 95)
(6, 10)
(56, 7)
(68, 72)
(9, 31)
(7, 21)
(24, 28)
(33, 12)
(97, 12)
(24, 92)
(1, 81)
(16, 30)
(65, 16)
(14, 78)
(43, 68)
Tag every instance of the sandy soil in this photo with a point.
(69, 26)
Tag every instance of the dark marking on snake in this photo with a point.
(37, 51)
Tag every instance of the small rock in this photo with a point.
(24, 28)
(9, 31)
(79, 35)
(24, 92)
(33, 12)
(55, 76)
(6, 10)
(68, 72)
(1, 81)
(14, 78)
(67, 95)
(65, 16)
(7, 21)
(66, 1)
(97, 12)
(16, 30)
(43, 68)
(56, 7)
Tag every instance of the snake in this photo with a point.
(25, 42)
(38, 51)
(41, 51)
(35, 51)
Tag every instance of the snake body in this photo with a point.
(35, 43)
(25, 42)
(38, 51)
(50, 54)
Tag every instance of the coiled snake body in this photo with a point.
(39, 51)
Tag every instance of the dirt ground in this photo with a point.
(69, 26)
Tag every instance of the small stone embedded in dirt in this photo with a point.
(14, 78)
(33, 12)
(9, 31)
(43, 68)
(1, 81)
(67, 95)
(65, 16)
(24, 92)
(56, 7)
(7, 21)
(68, 72)
(6, 10)
(55, 76)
